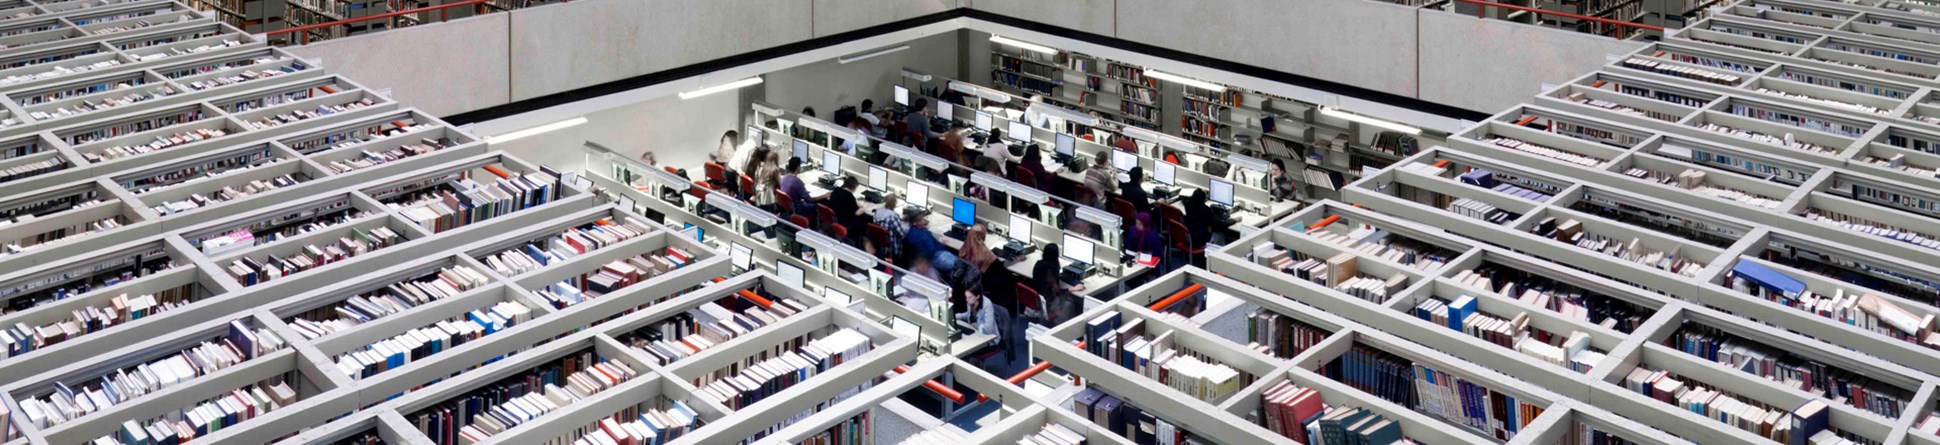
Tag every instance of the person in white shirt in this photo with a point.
(996, 149)
(742, 153)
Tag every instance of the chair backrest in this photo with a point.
(1024, 177)
(1125, 211)
(824, 215)
(671, 169)
(1172, 158)
(716, 174)
(1181, 239)
(799, 220)
(698, 192)
(838, 231)
(787, 203)
(747, 185)
(1028, 299)
(878, 234)
(1170, 213)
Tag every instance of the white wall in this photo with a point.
(827, 85)
(680, 132)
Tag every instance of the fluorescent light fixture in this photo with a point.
(965, 88)
(1064, 113)
(669, 179)
(915, 75)
(1247, 162)
(521, 134)
(1335, 112)
(1140, 133)
(857, 57)
(928, 160)
(858, 258)
(993, 95)
(814, 239)
(756, 80)
(1100, 217)
(1195, 83)
(925, 286)
(767, 110)
(1030, 195)
(1023, 45)
(894, 149)
(988, 180)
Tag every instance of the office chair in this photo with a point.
(880, 236)
(1024, 177)
(800, 221)
(784, 204)
(747, 186)
(671, 169)
(840, 233)
(1030, 304)
(1172, 158)
(716, 175)
(1127, 213)
(1171, 214)
(824, 216)
(1181, 240)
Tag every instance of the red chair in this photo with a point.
(1029, 303)
(799, 221)
(698, 192)
(1127, 213)
(1023, 176)
(1172, 214)
(784, 204)
(716, 174)
(1172, 158)
(671, 169)
(840, 233)
(747, 186)
(880, 236)
(824, 216)
(1182, 241)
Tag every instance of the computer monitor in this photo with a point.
(755, 134)
(963, 211)
(1123, 160)
(903, 326)
(1019, 131)
(835, 296)
(801, 150)
(918, 193)
(741, 257)
(1222, 193)
(831, 162)
(878, 179)
(902, 95)
(1020, 228)
(1077, 249)
(1165, 173)
(946, 111)
(789, 274)
(1067, 145)
(985, 121)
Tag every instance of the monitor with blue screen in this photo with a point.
(963, 211)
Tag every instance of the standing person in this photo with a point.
(791, 183)
(730, 142)
(1102, 179)
(767, 179)
(892, 222)
(647, 157)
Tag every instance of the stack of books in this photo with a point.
(1547, 152)
(206, 417)
(515, 408)
(302, 115)
(757, 377)
(32, 169)
(637, 425)
(1568, 300)
(1279, 335)
(1570, 231)
(370, 159)
(572, 375)
(416, 344)
(228, 193)
(1807, 421)
(251, 271)
(68, 403)
(1287, 409)
(1128, 421)
(391, 299)
(571, 243)
(22, 338)
(1380, 243)
(464, 201)
(704, 327)
(1864, 310)
(1463, 402)
(614, 276)
(1800, 373)
(1051, 434)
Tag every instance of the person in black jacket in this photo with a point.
(842, 201)
(1132, 192)
(1199, 219)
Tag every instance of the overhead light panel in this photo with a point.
(918, 76)
(751, 81)
(1195, 83)
(521, 134)
(1023, 45)
(767, 110)
(857, 57)
(1331, 111)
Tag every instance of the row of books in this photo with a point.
(1572, 351)
(1860, 309)
(614, 276)
(636, 425)
(43, 239)
(573, 376)
(1289, 409)
(368, 159)
(22, 338)
(1895, 162)
(1694, 180)
(279, 97)
(1698, 74)
(1874, 228)
(179, 51)
(1570, 231)
(947, 436)
(201, 169)
(777, 369)
(1568, 300)
(1593, 134)
(358, 136)
(52, 203)
(1380, 243)
(570, 243)
(856, 430)
(1544, 151)
(1476, 209)
(1782, 367)
(294, 116)
(706, 326)
(98, 104)
(1157, 357)
(243, 238)
(1353, 425)
(389, 300)
(251, 271)
(79, 280)
(160, 143)
(1126, 420)
(1618, 108)
(416, 344)
(1798, 120)
(1905, 199)
(228, 193)
(157, 121)
(464, 201)
(67, 403)
(1828, 102)
(1051, 434)
(1279, 335)
(281, 67)
(1794, 426)
(164, 39)
(58, 71)
(1507, 184)
(1459, 400)
(529, 406)
(207, 417)
(1785, 140)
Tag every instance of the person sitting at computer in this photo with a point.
(1144, 238)
(1199, 219)
(1282, 188)
(891, 221)
(1130, 191)
(791, 183)
(1102, 180)
(918, 120)
(1045, 277)
(842, 201)
(998, 151)
(867, 112)
(921, 242)
(974, 251)
(1034, 163)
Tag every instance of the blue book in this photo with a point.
(1459, 310)
(1769, 279)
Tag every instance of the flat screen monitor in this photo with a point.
(1123, 160)
(755, 134)
(946, 111)
(905, 327)
(1165, 173)
(740, 256)
(831, 162)
(918, 193)
(1019, 131)
(985, 121)
(902, 95)
(789, 274)
(878, 179)
(1020, 228)
(1067, 145)
(801, 150)
(963, 211)
(1222, 193)
(1077, 249)
(835, 296)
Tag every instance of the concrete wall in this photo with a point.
(827, 85)
(680, 132)
(589, 42)
(1469, 61)
(1092, 16)
(420, 66)
(1364, 43)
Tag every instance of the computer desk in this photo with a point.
(1187, 179)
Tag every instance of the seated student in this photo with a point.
(1282, 184)
(1145, 237)
(979, 315)
(1034, 163)
(922, 243)
(1131, 191)
(1102, 180)
(998, 152)
(891, 221)
(842, 201)
(791, 183)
